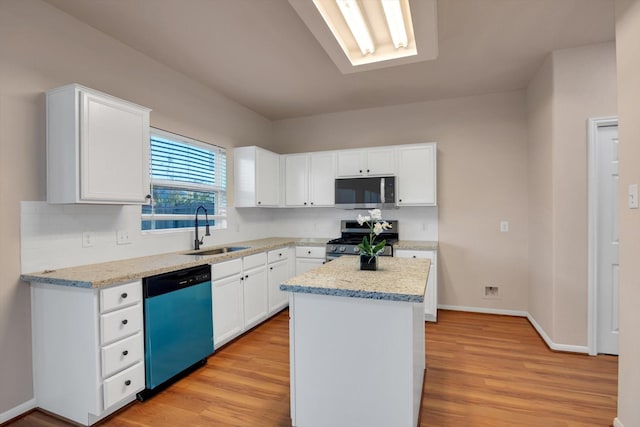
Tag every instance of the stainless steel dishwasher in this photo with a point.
(178, 325)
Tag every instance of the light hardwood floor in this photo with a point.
(482, 370)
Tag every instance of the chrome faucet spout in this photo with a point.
(198, 241)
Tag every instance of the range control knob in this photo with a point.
(343, 249)
(332, 248)
(356, 249)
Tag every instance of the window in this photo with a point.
(185, 174)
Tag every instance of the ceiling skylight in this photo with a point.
(362, 35)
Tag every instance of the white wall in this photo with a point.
(572, 86)
(42, 48)
(482, 179)
(628, 63)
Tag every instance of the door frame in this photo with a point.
(593, 124)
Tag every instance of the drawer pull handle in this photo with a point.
(127, 383)
(124, 295)
(124, 353)
(125, 321)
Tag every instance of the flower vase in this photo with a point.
(368, 262)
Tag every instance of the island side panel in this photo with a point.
(355, 361)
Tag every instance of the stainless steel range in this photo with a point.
(352, 234)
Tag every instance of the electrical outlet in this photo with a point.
(122, 237)
(492, 291)
(87, 239)
(504, 226)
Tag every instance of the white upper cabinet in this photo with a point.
(97, 148)
(366, 162)
(257, 177)
(416, 177)
(309, 179)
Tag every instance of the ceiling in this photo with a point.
(261, 54)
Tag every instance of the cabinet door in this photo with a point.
(296, 180)
(417, 175)
(278, 273)
(305, 264)
(114, 150)
(322, 178)
(228, 315)
(431, 293)
(380, 161)
(255, 296)
(350, 163)
(267, 178)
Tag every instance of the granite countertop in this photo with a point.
(416, 245)
(114, 272)
(397, 279)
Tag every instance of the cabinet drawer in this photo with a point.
(277, 255)
(120, 296)
(123, 385)
(255, 260)
(121, 354)
(119, 324)
(406, 253)
(226, 269)
(310, 252)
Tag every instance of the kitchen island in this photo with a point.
(357, 343)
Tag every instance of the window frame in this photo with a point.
(220, 216)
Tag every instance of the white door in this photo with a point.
(607, 240)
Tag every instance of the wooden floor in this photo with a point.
(482, 370)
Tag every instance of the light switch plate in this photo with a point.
(122, 237)
(504, 226)
(633, 196)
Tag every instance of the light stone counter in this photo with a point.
(110, 273)
(397, 279)
(416, 245)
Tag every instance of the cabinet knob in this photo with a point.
(305, 203)
(124, 353)
(127, 383)
(124, 295)
(368, 171)
(270, 268)
(360, 170)
(241, 278)
(259, 203)
(125, 321)
(400, 200)
(309, 252)
(280, 254)
(148, 196)
(246, 277)
(414, 256)
(311, 202)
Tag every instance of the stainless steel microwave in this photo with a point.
(366, 193)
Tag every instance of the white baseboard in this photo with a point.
(617, 422)
(17, 411)
(518, 313)
(500, 311)
(554, 346)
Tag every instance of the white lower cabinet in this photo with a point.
(279, 270)
(88, 350)
(309, 257)
(431, 293)
(256, 302)
(246, 291)
(228, 301)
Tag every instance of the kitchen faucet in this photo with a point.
(198, 242)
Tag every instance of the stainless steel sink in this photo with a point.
(218, 251)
